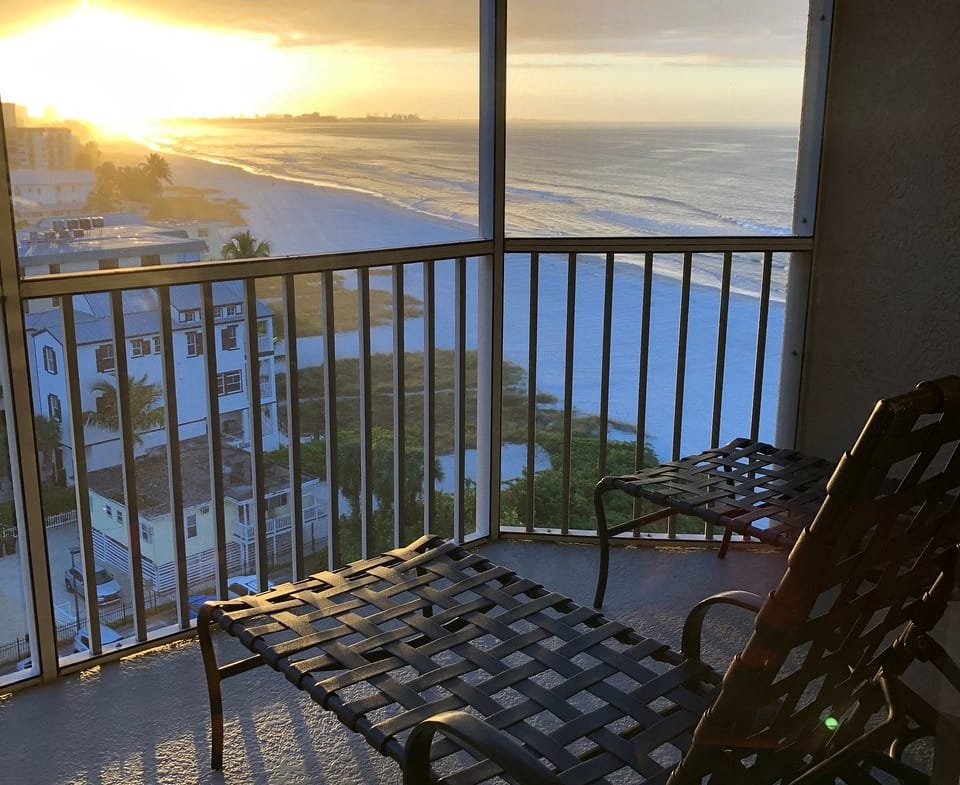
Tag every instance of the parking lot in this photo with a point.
(68, 608)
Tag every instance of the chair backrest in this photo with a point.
(858, 577)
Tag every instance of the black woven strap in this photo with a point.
(750, 487)
(394, 640)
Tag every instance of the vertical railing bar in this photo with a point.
(761, 344)
(366, 411)
(721, 348)
(429, 382)
(682, 354)
(174, 473)
(642, 383)
(683, 328)
(399, 405)
(460, 397)
(293, 427)
(214, 445)
(128, 471)
(330, 421)
(530, 511)
(605, 363)
(78, 441)
(568, 393)
(257, 478)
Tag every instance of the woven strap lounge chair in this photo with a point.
(465, 672)
(746, 487)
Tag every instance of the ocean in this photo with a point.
(567, 180)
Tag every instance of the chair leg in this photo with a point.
(604, 544)
(724, 543)
(204, 625)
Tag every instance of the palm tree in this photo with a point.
(47, 433)
(243, 245)
(157, 167)
(146, 413)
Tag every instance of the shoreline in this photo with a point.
(304, 218)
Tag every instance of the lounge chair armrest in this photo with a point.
(873, 740)
(477, 735)
(693, 626)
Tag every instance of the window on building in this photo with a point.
(190, 315)
(140, 347)
(49, 359)
(156, 344)
(103, 404)
(105, 359)
(229, 382)
(150, 260)
(53, 408)
(54, 269)
(234, 310)
(228, 337)
(119, 515)
(194, 343)
(108, 510)
(108, 264)
(204, 232)
(146, 532)
(191, 526)
(218, 311)
(205, 510)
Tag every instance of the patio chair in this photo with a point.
(746, 487)
(463, 671)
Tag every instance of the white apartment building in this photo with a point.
(108, 514)
(96, 353)
(44, 192)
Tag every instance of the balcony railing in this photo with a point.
(423, 386)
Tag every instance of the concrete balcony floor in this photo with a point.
(144, 720)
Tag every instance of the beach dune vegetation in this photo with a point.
(140, 183)
(547, 503)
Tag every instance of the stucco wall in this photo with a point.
(885, 299)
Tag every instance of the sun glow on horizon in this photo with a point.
(120, 72)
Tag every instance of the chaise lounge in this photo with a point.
(465, 672)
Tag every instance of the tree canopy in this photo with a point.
(146, 412)
(243, 245)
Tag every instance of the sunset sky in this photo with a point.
(121, 64)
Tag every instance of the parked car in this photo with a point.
(108, 637)
(195, 601)
(108, 590)
(239, 585)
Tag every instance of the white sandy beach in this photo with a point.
(299, 218)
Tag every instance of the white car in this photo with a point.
(239, 585)
(108, 590)
(108, 637)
